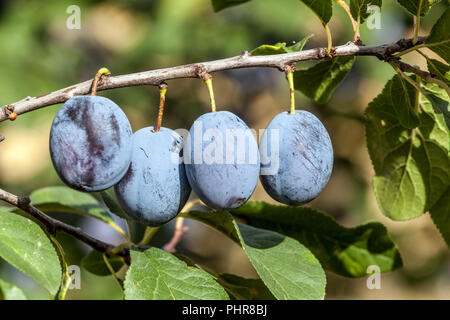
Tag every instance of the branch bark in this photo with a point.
(52, 226)
(422, 74)
(245, 60)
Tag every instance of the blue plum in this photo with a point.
(90, 143)
(222, 160)
(296, 157)
(155, 187)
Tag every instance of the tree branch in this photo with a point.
(245, 60)
(52, 226)
(422, 74)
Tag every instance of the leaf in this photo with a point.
(345, 251)
(280, 47)
(65, 200)
(25, 246)
(439, 98)
(417, 7)
(319, 81)
(440, 213)
(439, 38)
(95, 264)
(402, 96)
(245, 289)
(222, 4)
(358, 8)
(322, 8)
(286, 267)
(158, 275)
(411, 164)
(10, 291)
(441, 70)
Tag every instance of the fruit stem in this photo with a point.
(208, 82)
(65, 282)
(416, 28)
(111, 270)
(101, 72)
(148, 235)
(180, 230)
(290, 77)
(355, 23)
(329, 39)
(162, 101)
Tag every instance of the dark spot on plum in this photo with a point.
(144, 152)
(233, 202)
(72, 113)
(115, 126)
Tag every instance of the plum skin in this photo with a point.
(90, 143)
(222, 185)
(155, 187)
(305, 158)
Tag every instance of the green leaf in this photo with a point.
(411, 164)
(287, 268)
(322, 8)
(441, 70)
(440, 213)
(25, 246)
(95, 264)
(417, 7)
(402, 96)
(245, 289)
(280, 47)
(358, 8)
(439, 98)
(10, 291)
(222, 4)
(439, 38)
(158, 275)
(345, 251)
(65, 200)
(319, 81)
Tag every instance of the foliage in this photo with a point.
(407, 136)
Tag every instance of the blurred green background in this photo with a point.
(39, 54)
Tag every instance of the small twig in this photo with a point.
(421, 73)
(180, 230)
(355, 24)
(408, 79)
(52, 226)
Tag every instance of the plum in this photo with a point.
(155, 187)
(304, 157)
(222, 160)
(90, 143)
